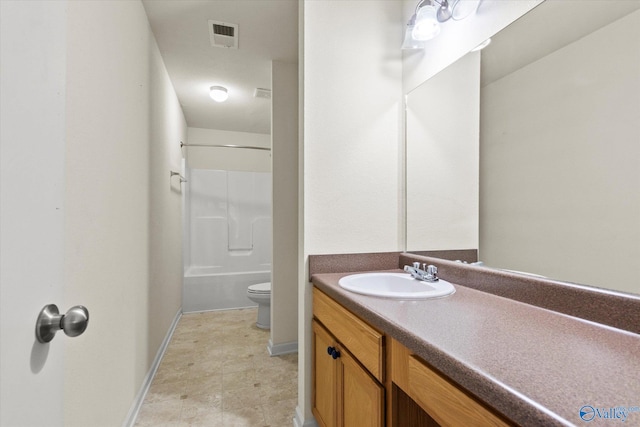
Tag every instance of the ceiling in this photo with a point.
(267, 31)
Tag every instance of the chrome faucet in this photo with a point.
(429, 273)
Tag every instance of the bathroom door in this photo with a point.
(32, 145)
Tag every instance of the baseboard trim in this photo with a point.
(142, 393)
(284, 348)
(299, 421)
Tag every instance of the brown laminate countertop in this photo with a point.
(536, 366)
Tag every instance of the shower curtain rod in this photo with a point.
(246, 147)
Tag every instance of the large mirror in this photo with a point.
(552, 112)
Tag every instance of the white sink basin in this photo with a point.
(395, 285)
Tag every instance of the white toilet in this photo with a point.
(261, 295)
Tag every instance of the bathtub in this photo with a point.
(213, 288)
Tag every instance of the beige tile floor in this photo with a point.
(217, 372)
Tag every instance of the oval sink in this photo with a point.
(395, 285)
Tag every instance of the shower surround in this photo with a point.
(229, 240)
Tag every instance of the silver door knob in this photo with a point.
(74, 322)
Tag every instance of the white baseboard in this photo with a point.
(299, 421)
(284, 348)
(137, 402)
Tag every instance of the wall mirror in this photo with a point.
(546, 121)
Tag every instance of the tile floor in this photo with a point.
(217, 372)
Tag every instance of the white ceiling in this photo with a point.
(268, 31)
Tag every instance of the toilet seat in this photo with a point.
(260, 288)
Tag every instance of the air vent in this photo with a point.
(262, 93)
(223, 34)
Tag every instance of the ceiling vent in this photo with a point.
(223, 34)
(262, 93)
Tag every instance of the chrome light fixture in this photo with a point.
(425, 22)
(462, 9)
(218, 93)
(427, 25)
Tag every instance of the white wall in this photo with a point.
(167, 126)
(230, 216)
(228, 158)
(443, 121)
(352, 140)
(352, 126)
(560, 193)
(456, 38)
(122, 211)
(284, 277)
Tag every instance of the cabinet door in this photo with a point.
(324, 378)
(362, 396)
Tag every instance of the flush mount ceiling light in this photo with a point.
(218, 93)
(425, 22)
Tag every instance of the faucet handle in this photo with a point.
(416, 265)
(432, 272)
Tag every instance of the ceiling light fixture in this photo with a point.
(218, 93)
(425, 22)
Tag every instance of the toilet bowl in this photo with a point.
(261, 295)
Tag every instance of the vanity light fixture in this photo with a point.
(462, 9)
(425, 22)
(218, 93)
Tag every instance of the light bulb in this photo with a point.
(427, 25)
(464, 8)
(409, 42)
(218, 93)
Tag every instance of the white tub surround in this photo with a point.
(229, 233)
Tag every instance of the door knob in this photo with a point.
(73, 322)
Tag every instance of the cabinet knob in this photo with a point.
(330, 350)
(335, 354)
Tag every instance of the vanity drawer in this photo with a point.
(363, 341)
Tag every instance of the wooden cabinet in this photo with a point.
(351, 363)
(444, 403)
(325, 376)
(345, 393)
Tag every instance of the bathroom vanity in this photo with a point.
(348, 378)
(475, 357)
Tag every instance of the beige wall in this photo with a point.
(284, 274)
(122, 249)
(167, 126)
(228, 158)
(352, 140)
(560, 190)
